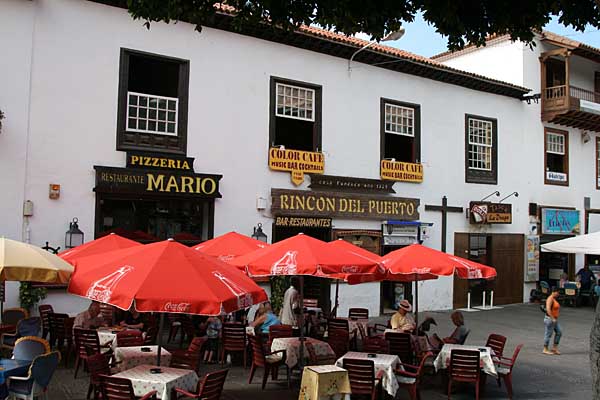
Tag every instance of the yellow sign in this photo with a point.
(298, 162)
(401, 171)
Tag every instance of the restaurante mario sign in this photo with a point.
(342, 205)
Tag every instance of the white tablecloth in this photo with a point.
(107, 337)
(129, 357)
(487, 364)
(292, 348)
(143, 381)
(353, 325)
(385, 364)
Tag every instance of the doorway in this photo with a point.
(392, 293)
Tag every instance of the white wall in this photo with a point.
(73, 124)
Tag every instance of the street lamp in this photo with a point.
(74, 236)
(259, 234)
(390, 37)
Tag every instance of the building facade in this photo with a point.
(172, 133)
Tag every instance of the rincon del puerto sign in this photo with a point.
(401, 171)
(297, 162)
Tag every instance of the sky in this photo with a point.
(421, 38)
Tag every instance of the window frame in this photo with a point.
(597, 162)
(482, 176)
(317, 109)
(170, 143)
(565, 159)
(416, 127)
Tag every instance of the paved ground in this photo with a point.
(536, 376)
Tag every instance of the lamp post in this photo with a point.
(390, 37)
(74, 236)
(259, 234)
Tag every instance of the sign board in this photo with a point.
(490, 213)
(560, 222)
(401, 171)
(532, 251)
(297, 162)
(153, 161)
(164, 182)
(303, 222)
(348, 184)
(401, 235)
(556, 176)
(342, 205)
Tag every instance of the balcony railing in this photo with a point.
(560, 92)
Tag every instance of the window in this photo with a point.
(153, 97)
(400, 131)
(295, 117)
(556, 147)
(481, 147)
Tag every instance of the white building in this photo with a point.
(222, 100)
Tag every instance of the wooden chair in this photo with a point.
(98, 364)
(400, 344)
(464, 367)
(280, 331)
(372, 344)
(409, 376)
(130, 338)
(11, 316)
(270, 361)
(317, 359)
(310, 303)
(339, 341)
(233, 340)
(359, 313)
(120, 389)
(504, 366)
(209, 388)
(86, 344)
(44, 310)
(362, 377)
(107, 312)
(61, 334)
(185, 361)
(496, 343)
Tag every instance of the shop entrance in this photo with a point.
(392, 293)
(553, 265)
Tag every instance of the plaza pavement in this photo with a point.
(536, 376)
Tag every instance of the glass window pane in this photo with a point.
(152, 126)
(132, 99)
(152, 114)
(161, 127)
(171, 128)
(143, 101)
(142, 125)
(132, 123)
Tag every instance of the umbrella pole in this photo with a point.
(301, 323)
(159, 339)
(417, 302)
(337, 296)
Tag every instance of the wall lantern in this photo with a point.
(259, 234)
(74, 236)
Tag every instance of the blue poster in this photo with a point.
(560, 222)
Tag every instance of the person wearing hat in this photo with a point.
(402, 320)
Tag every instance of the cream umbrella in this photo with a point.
(24, 262)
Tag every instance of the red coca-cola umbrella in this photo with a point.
(230, 245)
(164, 277)
(102, 245)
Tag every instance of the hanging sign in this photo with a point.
(490, 213)
(532, 272)
(153, 161)
(401, 171)
(560, 222)
(297, 162)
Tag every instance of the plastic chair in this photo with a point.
(29, 347)
(194, 349)
(570, 293)
(464, 367)
(339, 341)
(130, 338)
(233, 340)
(409, 376)
(86, 343)
(496, 343)
(362, 377)
(11, 316)
(342, 323)
(98, 364)
(317, 359)
(371, 344)
(360, 313)
(400, 344)
(280, 331)
(185, 361)
(270, 361)
(504, 367)
(35, 384)
(209, 388)
(120, 389)
(25, 327)
(310, 303)
(44, 310)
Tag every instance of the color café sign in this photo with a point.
(401, 171)
(297, 162)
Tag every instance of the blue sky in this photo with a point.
(421, 38)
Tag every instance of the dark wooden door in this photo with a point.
(508, 257)
(461, 286)
(597, 86)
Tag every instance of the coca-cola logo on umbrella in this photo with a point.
(177, 307)
(286, 265)
(244, 299)
(101, 290)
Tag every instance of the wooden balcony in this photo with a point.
(571, 106)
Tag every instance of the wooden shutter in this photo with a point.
(461, 286)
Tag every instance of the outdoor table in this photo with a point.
(442, 361)
(10, 367)
(129, 357)
(324, 382)
(107, 337)
(385, 365)
(292, 348)
(144, 381)
(354, 323)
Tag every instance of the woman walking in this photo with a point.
(551, 323)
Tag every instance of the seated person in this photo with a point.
(133, 320)
(563, 279)
(586, 277)
(402, 320)
(267, 319)
(458, 335)
(89, 319)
